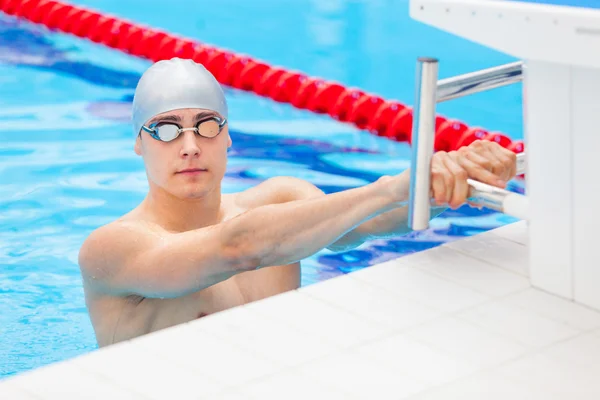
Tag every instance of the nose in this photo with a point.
(189, 145)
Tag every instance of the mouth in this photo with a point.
(191, 171)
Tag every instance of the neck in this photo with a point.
(179, 215)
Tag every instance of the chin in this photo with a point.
(194, 192)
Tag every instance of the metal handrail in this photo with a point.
(423, 135)
(479, 81)
(429, 92)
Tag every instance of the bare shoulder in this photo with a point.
(106, 247)
(280, 189)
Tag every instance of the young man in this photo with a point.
(188, 250)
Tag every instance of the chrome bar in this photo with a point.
(479, 81)
(423, 134)
(509, 203)
(521, 163)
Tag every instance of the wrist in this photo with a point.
(396, 188)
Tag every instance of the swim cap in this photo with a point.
(172, 85)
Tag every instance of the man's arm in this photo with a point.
(129, 259)
(483, 160)
(388, 224)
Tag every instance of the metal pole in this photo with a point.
(479, 81)
(521, 163)
(423, 135)
(483, 195)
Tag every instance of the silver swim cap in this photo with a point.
(175, 84)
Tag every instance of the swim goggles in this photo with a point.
(168, 131)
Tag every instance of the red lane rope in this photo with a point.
(386, 118)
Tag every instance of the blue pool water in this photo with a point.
(66, 153)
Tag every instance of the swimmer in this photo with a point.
(189, 250)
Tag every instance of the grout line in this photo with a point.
(507, 237)
(160, 359)
(493, 264)
(94, 375)
(436, 276)
(531, 351)
(292, 326)
(463, 285)
(176, 360)
(375, 287)
(107, 379)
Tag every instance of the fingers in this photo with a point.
(460, 191)
(440, 180)
(448, 181)
(477, 168)
(507, 158)
(489, 156)
(483, 149)
(484, 161)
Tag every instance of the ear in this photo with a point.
(137, 147)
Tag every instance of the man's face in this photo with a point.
(190, 166)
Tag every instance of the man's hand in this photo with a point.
(484, 161)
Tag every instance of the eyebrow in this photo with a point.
(177, 118)
(174, 118)
(205, 114)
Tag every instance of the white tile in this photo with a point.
(9, 391)
(67, 381)
(272, 339)
(473, 273)
(564, 380)
(468, 342)
(582, 350)
(232, 394)
(271, 301)
(294, 385)
(317, 317)
(146, 373)
(487, 386)
(556, 308)
(420, 286)
(521, 325)
(403, 355)
(495, 250)
(584, 267)
(362, 377)
(517, 232)
(418, 258)
(207, 355)
(371, 303)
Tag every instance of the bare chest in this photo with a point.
(247, 287)
(238, 290)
